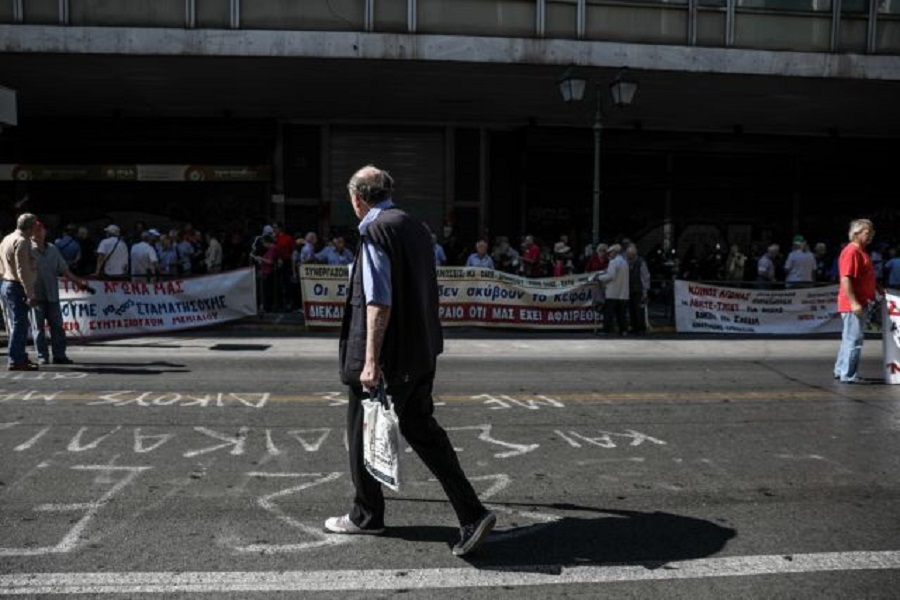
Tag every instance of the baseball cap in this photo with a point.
(799, 239)
(113, 230)
(267, 230)
(153, 232)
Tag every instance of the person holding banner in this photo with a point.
(480, 258)
(391, 333)
(857, 289)
(615, 292)
(50, 267)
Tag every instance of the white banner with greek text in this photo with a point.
(891, 328)
(705, 308)
(119, 308)
(471, 296)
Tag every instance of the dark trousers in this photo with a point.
(415, 407)
(636, 313)
(615, 317)
(51, 314)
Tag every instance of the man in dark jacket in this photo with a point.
(391, 331)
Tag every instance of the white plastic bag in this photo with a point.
(381, 438)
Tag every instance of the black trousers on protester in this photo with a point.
(415, 407)
(636, 313)
(615, 316)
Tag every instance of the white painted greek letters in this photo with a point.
(605, 438)
(505, 402)
(28, 444)
(310, 439)
(270, 445)
(488, 399)
(267, 503)
(485, 436)
(237, 442)
(252, 400)
(76, 446)
(571, 442)
(149, 443)
(72, 538)
(336, 398)
(111, 398)
(28, 395)
(166, 399)
(202, 399)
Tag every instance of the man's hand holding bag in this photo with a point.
(381, 438)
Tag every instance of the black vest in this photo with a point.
(414, 337)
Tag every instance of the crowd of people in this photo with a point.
(768, 267)
(150, 253)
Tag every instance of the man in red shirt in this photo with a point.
(857, 289)
(285, 244)
(531, 257)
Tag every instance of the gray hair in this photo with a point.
(25, 222)
(858, 225)
(374, 185)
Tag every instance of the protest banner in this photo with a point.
(706, 308)
(471, 297)
(891, 332)
(120, 308)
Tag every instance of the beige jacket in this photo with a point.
(17, 263)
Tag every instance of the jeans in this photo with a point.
(846, 367)
(52, 314)
(15, 303)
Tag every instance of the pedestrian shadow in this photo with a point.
(150, 368)
(618, 537)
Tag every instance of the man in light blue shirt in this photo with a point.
(480, 257)
(892, 270)
(308, 251)
(440, 257)
(335, 254)
(376, 264)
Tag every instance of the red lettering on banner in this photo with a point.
(168, 287)
(893, 368)
(130, 288)
(893, 309)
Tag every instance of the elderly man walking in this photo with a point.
(392, 332)
(18, 270)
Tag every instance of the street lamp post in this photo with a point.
(622, 90)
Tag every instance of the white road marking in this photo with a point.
(465, 577)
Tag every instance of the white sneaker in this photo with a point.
(344, 525)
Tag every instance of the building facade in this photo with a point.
(753, 120)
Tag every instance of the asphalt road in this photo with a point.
(193, 465)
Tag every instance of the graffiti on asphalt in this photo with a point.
(276, 441)
(607, 439)
(74, 536)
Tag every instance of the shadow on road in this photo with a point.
(150, 368)
(619, 537)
